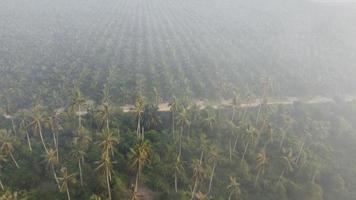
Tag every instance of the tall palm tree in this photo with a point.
(150, 117)
(235, 104)
(108, 141)
(234, 188)
(174, 106)
(23, 130)
(178, 169)
(287, 120)
(65, 179)
(209, 120)
(266, 86)
(183, 120)
(213, 157)
(139, 156)
(103, 113)
(37, 118)
(250, 138)
(55, 128)
(7, 145)
(81, 142)
(287, 161)
(139, 109)
(52, 161)
(262, 162)
(106, 166)
(233, 130)
(77, 103)
(198, 173)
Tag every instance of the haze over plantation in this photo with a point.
(177, 100)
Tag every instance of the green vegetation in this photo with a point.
(92, 150)
(83, 84)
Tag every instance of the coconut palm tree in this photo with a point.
(23, 130)
(55, 128)
(77, 103)
(139, 156)
(287, 120)
(262, 162)
(105, 165)
(198, 174)
(266, 86)
(234, 132)
(65, 179)
(150, 117)
(36, 120)
(236, 102)
(178, 169)
(103, 113)
(287, 161)
(234, 188)
(108, 141)
(174, 106)
(138, 110)
(213, 157)
(250, 138)
(52, 161)
(209, 120)
(183, 120)
(81, 142)
(7, 145)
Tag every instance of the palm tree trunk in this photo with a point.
(257, 177)
(235, 144)
(175, 181)
(233, 114)
(41, 136)
(243, 155)
(300, 153)
(194, 188)
(80, 172)
(211, 178)
(258, 113)
(79, 117)
(28, 141)
(143, 133)
(138, 126)
(282, 141)
(1, 185)
(108, 182)
(180, 140)
(230, 150)
(54, 139)
(173, 125)
(57, 136)
(13, 125)
(201, 157)
(13, 159)
(281, 176)
(230, 195)
(68, 195)
(55, 176)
